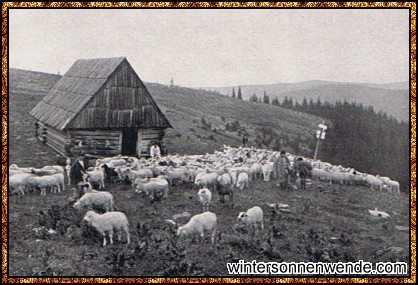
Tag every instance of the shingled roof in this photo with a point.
(74, 90)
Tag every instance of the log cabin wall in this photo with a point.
(59, 141)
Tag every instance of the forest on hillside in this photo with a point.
(359, 137)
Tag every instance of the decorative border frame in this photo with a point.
(212, 5)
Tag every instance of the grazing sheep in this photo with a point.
(206, 179)
(176, 174)
(198, 224)
(152, 186)
(242, 181)
(98, 199)
(109, 223)
(205, 196)
(253, 217)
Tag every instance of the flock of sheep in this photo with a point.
(221, 172)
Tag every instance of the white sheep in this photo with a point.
(98, 199)
(44, 182)
(94, 176)
(109, 223)
(48, 170)
(267, 169)
(394, 186)
(14, 167)
(198, 224)
(19, 182)
(59, 177)
(242, 181)
(253, 217)
(134, 174)
(205, 196)
(206, 179)
(154, 186)
(256, 170)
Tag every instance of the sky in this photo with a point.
(219, 47)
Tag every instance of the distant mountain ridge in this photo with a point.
(390, 98)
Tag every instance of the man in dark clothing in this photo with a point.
(77, 169)
(244, 140)
(304, 168)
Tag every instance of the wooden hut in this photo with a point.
(100, 105)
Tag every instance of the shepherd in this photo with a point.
(281, 167)
(303, 168)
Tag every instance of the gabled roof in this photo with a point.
(74, 90)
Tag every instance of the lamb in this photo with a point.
(205, 196)
(253, 217)
(242, 181)
(198, 224)
(109, 223)
(98, 199)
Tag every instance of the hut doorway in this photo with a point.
(129, 138)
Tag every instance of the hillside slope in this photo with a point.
(392, 99)
(200, 118)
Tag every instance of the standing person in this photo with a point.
(79, 166)
(155, 151)
(304, 168)
(244, 140)
(281, 168)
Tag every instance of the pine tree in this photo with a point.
(233, 93)
(304, 104)
(275, 102)
(239, 93)
(266, 98)
(254, 98)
